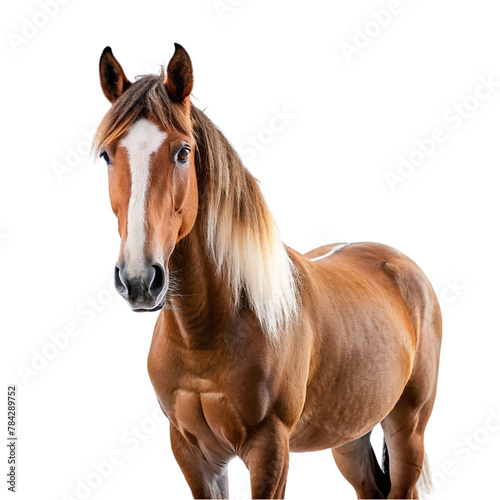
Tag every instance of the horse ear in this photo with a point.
(179, 79)
(113, 79)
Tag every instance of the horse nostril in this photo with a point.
(158, 281)
(121, 287)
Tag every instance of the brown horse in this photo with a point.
(259, 350)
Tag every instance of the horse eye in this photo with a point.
(182, 155)
(106, 157)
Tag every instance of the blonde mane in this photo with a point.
(242, 238)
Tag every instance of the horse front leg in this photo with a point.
(266, 456)
(205, 478)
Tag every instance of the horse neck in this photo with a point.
(201, 299)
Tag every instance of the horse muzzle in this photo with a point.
(143, 292)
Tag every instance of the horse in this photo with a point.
(258, 350)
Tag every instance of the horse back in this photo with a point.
(374, 271)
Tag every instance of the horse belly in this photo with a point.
(344, 403)
(344, 421)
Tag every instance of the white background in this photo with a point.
(323, 175)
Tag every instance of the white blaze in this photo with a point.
(142, 140)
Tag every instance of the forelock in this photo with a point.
(146, 97)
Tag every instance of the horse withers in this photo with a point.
(259, 350)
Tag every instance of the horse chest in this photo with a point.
(210, 414)
(206, 419)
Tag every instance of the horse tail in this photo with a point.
(385, 460)
(424, 483)
(385, 470)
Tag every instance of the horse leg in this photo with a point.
(266, 455)
(404, 426)
(405, 442)
(404, 434)
(206, 479)
(358, 464)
